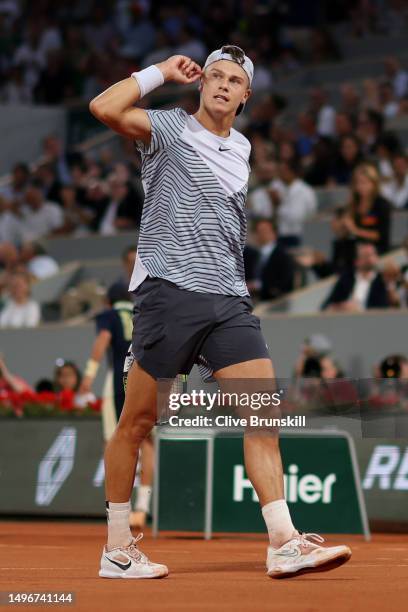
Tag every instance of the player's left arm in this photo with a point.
(100, 346)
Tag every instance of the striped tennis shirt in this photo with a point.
(193, 227)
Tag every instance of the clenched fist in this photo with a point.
(180, 69)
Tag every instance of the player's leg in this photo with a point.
(263, 462)
(121, 558)
(136, 421)
(289, 552)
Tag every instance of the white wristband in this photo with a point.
(148, 79)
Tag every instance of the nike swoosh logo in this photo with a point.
(122, 566)
(288, 554)
(222, 149)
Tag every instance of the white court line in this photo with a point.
(379, 565)
(47, 546)
(25, 546)
(42, 568)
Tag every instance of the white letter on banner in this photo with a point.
(401, 481)
(383, 462)
(56, 466)
(99, 477)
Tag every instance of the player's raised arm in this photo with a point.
(115, 107)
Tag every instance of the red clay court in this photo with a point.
(226, 573)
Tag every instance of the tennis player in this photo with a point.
(191, 301)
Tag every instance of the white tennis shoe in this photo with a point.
(129, 562)
(303, 553)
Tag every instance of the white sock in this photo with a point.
(278, 522)
(143, 495)
(119, 533)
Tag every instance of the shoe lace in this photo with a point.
(309, 539)
(133, 551)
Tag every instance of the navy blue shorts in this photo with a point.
(173, 329)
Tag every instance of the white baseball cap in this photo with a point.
(232, 53)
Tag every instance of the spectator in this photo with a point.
(15, 90)
(323, 46)
(391, 274)
(387, 146)
(39, 218)
(397, 76)
(19, 309)
(15, 191)
(344, 125)
(367, 217)
(307, 134)
(128, 265)
(67, 376)
(315, 346)
(370, 99)
(393, 366)
(350, 100)
(121, 213)
(11, 382)
(324, 112)
(361, 288)
(349, 156)
(99, 31)
(10, 228)
(318, 172)
(259, 201)
(51, 186)
(96, 200)
(369, 128)
(190, 45)
(54, 154)
(269, 270)
(396, 190)
(388, 101)
(140, 36)
(294, 202)
(30, 55)
(287, 151)
(77, 217)
(53, 86)
(39, 264)
(161, 52)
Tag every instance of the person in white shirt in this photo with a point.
(294, 202)
(10, 227)
(325, 114)
(396, 190)
(14, 191)
(31, 56)
(397, 76)
(38, 217)
(39, 264)
(19, 309)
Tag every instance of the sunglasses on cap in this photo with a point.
(235, 52)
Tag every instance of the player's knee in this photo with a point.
(136, 430)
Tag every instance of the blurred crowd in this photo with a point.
(67, 51)
(53, 52)
(329, 140)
